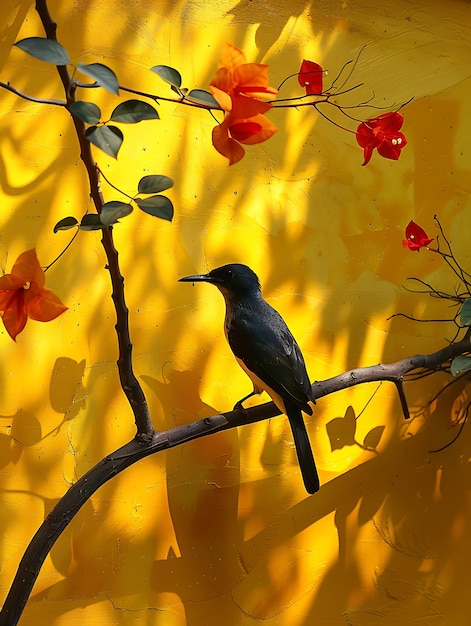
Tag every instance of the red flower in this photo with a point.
(416, 237)
(382, 132)
(310, 77)
(23, 295)
(239, 88)
(234, 131)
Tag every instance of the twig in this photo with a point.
(101, 173)
(353, 63)
(26, 96)
(63, 251)
(181, 100)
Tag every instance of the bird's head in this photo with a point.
(234, 279)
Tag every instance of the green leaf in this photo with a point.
(199, 96)
(133, 111)
(65, 224)
(372, 439)
(154, 184)
(44, 49)
(86, 111)
(168, 74)
(465, 317)
(158, 206)
(107, 138)
(91, 221)
(104, 76)
(112, 211)
(460, 364)
(341, 430)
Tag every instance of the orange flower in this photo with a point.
(239, 87)
(228, 136)
(235, 76)
(23, 295)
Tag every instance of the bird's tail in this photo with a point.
(306, 460)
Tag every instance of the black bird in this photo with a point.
(267, 352)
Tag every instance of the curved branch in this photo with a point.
(135, 450)
(26, 96)
(67, 507)
(182, 100)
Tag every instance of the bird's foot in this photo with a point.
(238, 405)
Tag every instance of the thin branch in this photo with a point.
(181, 100)
(460, 272)
(393, 372)
(431, 291)
(409, 377)
(353, 63)
(326, 117)
(63, 251)
(145, 94)
(26, 96)
(100, 172)
(418, 319)
(326, 97)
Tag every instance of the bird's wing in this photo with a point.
(268, 349)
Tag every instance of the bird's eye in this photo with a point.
(229, 273)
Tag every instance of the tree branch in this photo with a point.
(63, 513)
(26, 96)
(65, 510)
(129, 382)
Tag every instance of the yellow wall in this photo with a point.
(220, 530)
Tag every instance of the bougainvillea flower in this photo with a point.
(241, 89)
(237, 77)
(382, 132)
(228, 136)
(23, 295)
(310, 77)
(416, 237)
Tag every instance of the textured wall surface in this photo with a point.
(220, 530)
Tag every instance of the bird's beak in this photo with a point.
(197, 278)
